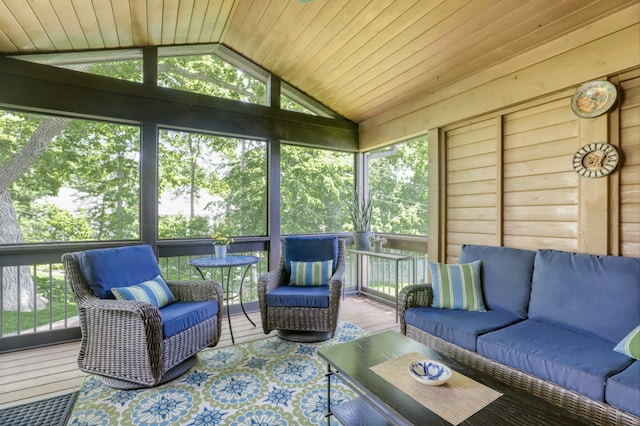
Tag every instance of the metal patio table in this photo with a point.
(227, 262)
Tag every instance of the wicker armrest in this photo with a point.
(195, 290)
(413, 296)
(416, 295)
(108, 324)
(271, 280)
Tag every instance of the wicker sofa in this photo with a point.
(551, 322)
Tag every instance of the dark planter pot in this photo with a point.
(361, 240)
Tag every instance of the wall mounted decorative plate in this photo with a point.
(593, 99)
(595, 160)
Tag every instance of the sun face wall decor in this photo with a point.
(595, 160)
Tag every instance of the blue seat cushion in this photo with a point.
(505, 274)
(104, 269)
(456, 326)
(296, 296)
(575, 361)
(591, 294)
(623, 389)
(309, 249)
(180, 316)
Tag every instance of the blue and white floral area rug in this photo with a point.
(265, 382)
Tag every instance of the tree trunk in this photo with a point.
(17, 280)
(17, 284)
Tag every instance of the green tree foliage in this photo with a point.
(398, 185)
(98, 163)
(316, 186)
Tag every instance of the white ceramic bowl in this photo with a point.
(429, 372)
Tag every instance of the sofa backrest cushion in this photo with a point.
(104, 269)
(505, 274)
(595, 295)
(310, 249)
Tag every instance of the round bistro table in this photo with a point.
(227, 262)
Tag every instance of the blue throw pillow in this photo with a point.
(457, 286)
(154, 291)
(311, 273)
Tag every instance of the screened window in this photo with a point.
(121, 64)
(398, 185)
(211, 184)
(68, 179)
(210, 75)
(316, 186)
(291, 105)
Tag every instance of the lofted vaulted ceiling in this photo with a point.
(360, 58)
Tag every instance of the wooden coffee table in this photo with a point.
(380, 403)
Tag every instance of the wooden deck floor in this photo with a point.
(35, 374)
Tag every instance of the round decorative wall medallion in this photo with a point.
(593, 99)
(595, 160)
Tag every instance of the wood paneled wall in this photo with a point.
(629, 180)
(507, 179)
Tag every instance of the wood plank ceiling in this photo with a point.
(360, 58)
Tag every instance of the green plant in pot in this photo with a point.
(360, 211)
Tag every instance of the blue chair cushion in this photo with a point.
(104, 269)
(505, 274)
(309, 249)
(575, 361)
(459, 327)
(590, 294)
(297, 296)
(623, 389)
(180, 316)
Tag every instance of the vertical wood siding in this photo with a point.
(540, 186)
(509, 179)
(471, 179)
(630, 171)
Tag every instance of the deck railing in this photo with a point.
(56, 320)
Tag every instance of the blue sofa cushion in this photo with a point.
(309, 249)
(505, 274)
(591, 294)
(572, 360)
(459, 327)
(180, 316)
(104, 269)
(623, 389)
(295, 296)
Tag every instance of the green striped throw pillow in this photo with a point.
(630, 345)
(457, 286)
(311, 273)
(154, 291)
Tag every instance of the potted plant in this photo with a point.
(378, 241)
(221, 244)
(360, 211)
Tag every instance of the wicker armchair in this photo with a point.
(300, 321)
(123, 341)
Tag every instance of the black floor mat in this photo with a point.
(48, 412)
